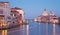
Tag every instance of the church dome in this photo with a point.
(45, 13)
(51, 13)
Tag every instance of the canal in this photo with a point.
(35, 28)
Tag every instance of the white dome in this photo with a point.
(45, 13)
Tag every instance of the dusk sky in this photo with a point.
(34, 8)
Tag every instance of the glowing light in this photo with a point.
(13, 15)
(35, 20)
(54, 30)
(27, 29)
(46, 28)
(56, 21)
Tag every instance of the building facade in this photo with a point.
(13, 17)
(17, 15)
(5, 10)
(48, 17)
(4, 13)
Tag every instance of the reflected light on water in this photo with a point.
(46, 28)
(27, 29)
(54, 29)
(39, 29)
(4, 32)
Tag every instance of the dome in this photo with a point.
(45, 13)
(51, 13)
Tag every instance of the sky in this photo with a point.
(34, 8)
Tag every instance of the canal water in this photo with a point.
(35, 29)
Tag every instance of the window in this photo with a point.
(1, 11)
(9, 17)
(1, 18)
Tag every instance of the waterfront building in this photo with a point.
(4, 13)
(45, 17)
(39, 19)
(59, 20)
(53, 17)
(12, 17)
(5, 10)
(17, 14)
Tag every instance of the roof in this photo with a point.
(4, 2)
(16, 8)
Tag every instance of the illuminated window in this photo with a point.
(1, 18)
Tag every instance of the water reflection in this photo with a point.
(35, 29)
(54, 29)
(39, 28)
(46, 28)
(16, 31)
(27, 29)
(4, 32)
